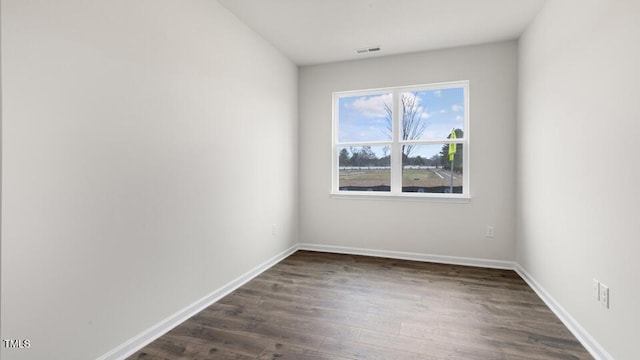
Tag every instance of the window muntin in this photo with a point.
(405, 141)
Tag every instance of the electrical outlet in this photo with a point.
(596, 289)
(273, 229)
(604, 295)
(489, 231)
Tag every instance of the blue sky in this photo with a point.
(363, 118)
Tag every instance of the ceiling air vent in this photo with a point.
(368, 50)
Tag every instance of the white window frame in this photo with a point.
(396, 144)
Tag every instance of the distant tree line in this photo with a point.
(364, 156)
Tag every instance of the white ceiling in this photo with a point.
(320, 31)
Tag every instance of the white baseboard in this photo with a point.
(594, 348)
(138, 342)
(146, 337)
(454, 260)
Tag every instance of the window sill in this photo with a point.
(368, 195)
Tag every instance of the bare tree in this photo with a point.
(413, 123)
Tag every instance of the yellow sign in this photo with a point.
(452, 147)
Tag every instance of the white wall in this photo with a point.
(425, 227)
(148, 146)
(578, 175)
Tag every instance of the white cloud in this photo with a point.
(437, 93)
(430, 134)
(459, 118)
(443, 111)
(373, 106)
(456, 107)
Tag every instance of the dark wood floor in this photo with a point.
(326, 306)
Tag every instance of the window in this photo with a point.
(403, 141)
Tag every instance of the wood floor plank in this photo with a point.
(315, 305)
(358, 350)
(430, 347)
(145, 355)
(288, 352)
(240, 343)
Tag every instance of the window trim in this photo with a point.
(395, 143)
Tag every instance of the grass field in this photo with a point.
(410, 177)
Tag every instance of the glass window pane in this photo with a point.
(365, 118)
(429, 169)
(431, 114)
(364, 168)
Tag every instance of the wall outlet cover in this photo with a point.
(604, 295)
